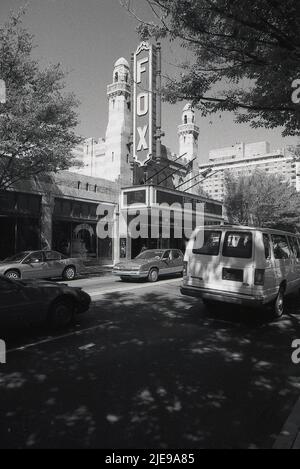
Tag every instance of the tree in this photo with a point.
(245, 57)
(261, 199)
(37, 121)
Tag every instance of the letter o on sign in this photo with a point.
(142, 104)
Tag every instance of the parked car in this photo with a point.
(150, 264)
(39, 264)
(242, 265)
(40, 300)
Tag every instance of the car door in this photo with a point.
(34, 266)
(13, 301)
(54, 263)
(177, 261)
(282, 260)
(166, 263)
(295, 262)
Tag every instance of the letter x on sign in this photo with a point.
(142, 134)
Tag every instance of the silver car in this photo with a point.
(150, 264)
(39, 264)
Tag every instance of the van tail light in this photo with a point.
(185, 268)
(259, 276)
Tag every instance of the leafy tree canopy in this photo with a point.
(262, 199)
(245, 56)
(38, 120)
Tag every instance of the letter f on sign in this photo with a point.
(140, 69)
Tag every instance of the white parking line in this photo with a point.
(53, 339)
(87, 346)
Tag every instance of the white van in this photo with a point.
(242, 265)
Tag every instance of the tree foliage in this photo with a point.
(38, 120)
(261, 199)
(245, 56)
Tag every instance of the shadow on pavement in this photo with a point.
(158, 371)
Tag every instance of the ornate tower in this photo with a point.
(116, 164)
(188, 133)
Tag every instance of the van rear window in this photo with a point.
(207, 242)
(238, 244)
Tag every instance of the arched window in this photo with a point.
(193, 119)
(126, 77)
(112, 156)
(185, 119)
(116, 76)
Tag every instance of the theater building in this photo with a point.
(129, 168)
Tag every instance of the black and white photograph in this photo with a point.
(149, 227)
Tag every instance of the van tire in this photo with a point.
(278, 305)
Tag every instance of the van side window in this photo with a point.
(238, 244)
(294, 246)
(207, 242)
(267, 246)
(281, 247)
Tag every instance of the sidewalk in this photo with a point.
(289, 437)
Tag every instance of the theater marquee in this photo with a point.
(144, 103)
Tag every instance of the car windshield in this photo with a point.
(150, 255)
(17, 257)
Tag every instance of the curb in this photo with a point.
(289, 437)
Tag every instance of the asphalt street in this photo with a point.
(149, 368)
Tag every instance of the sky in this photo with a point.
(87, 37)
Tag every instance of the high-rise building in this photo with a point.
(243, 159)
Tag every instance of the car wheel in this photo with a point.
(13, 274)
(278, 306)
(153, 275)
(61, 314)
(69, 273)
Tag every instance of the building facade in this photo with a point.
(244, 159)
(63, 211)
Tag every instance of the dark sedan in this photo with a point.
(150, 264)
(40, 300)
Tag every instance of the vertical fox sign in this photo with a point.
(144, 103)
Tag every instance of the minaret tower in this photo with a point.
(188, 133)
(116, 165)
